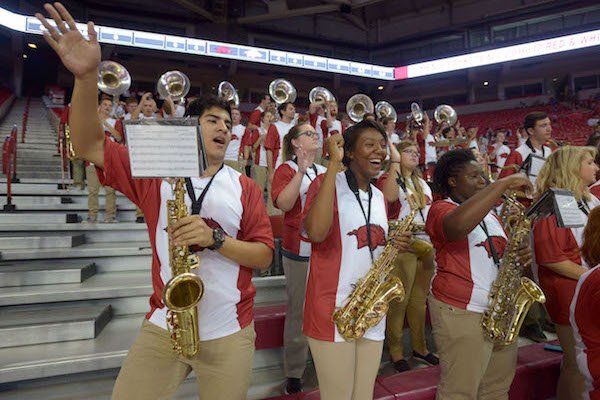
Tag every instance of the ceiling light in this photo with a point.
(24, 55)
(486, 83)
(32, 45)
(554, 79)
(380, 87)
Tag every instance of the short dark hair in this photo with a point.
(200, 105)
(449, 165)
(352, 134)
(282, 107)
(386, 120)
(532, 118)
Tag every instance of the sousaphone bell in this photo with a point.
(282, 91)
(173, 83)
(320, 94)
(383, 109)
(359, 105)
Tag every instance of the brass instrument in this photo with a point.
(445, 113)
(173, 83)
(359, 105)
(369, 301)
(512, 294)
(68, 145)
(227, 92)
(320, 94)
(113, 79)
(282, 91)
(184, 290)
(450, 142)
(383, 109)
(421, 247)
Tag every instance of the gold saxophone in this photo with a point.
(185, 289)
(512, 294)
(369, 301)
(68, 144)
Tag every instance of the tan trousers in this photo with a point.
(295, 346)
(94, 189)
(78, 173)
(238, 166)
(261, 177)
(152, 370)
(416, 281)
(346, 370)
(471, 366)
(571, 384)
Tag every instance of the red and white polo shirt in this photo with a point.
(501, 155)
(405, 209)
(337, 263)
(292, 219)
(430, 149)
(274, 140)
(260, 156)
(518, 156)
(586, 330)
(254, 118)
(595, 189)
(553, 244)
(234, 203)
(234, 148)
(465, 268)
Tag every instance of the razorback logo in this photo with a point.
(212, 224)
(234, 136)
(504, 155)
(499, 244)
(377, 236)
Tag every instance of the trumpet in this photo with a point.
(383, 109)
(228, 93)
(173, 83)
(359, 105)
(282, 91)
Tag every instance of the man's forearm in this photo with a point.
(84, 122)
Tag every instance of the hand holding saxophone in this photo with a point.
(402, 242)
(524, 253)
(190, 231)
(519, 182)
(78, 55)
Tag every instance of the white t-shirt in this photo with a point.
(233, 149)
(430, 150)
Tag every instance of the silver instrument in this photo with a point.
(445, 113)
(173, 83)
(282, 91)
(320, 94)
(227, 92)
(383, 109)
(114, 80)
(359, 105)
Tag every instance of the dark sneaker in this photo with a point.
(293, 385)
(533, 332)
(401, 365)
(430, 358)
(140, 220)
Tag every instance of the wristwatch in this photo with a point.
(219, 238)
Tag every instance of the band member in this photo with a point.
(273, 143)
(146, 108)
(499, 151)
(538, 128)
(559, 264)
(390, 129)
(234, 153)
(429, 146)
(290, 184)
(584, 309)
(414, 269)
(259, 152)
(77, 165)
(231, 233)
(469, 242)
(345, 220)
(130, 105)
(326, 125)
(256, 115)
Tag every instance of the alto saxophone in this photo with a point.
(184, 290)
(369, 301)
(512, 294)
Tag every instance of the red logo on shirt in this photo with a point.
(499, 245)
(212, 224)
(377, 236)
(234, 136)
(504, 155)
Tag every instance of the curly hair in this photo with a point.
(449, 165)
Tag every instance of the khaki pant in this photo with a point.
(261, 177)
(471, 366)
(295, 345)
(94, 189)
(346, 370)
(152, 370)
(416, 281)
(78, 173)
(237, 165)
(571, 383)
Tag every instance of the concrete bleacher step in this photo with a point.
(45, 189)
(110, 249)
(39, 181)
(43, 273)
(32, 218)
(51, 323)
(94, 233)
(41, 242)
(71, 207)
(69, 214)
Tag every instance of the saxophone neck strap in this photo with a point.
(197, 202)
(353, 185)
(491, 243)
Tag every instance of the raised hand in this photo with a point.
(78, 55)
(305, 159)
(335, 146)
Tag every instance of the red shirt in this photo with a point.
(586, 329)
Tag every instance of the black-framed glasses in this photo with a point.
(310, 134)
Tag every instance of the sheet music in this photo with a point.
(568, 214)
(536, 165)
(163, 150)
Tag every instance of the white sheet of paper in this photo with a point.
(163, 151)
(537, 163)
(569, 214)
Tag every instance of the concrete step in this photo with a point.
(79, 206)
(41, 242)
(38, 181)
(113, 249)
(43, 189)
(30, 325)
(33, 218)
(38, 175)
(30, 273)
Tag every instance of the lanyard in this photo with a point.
(351, 179)
(491, 243)
(528, 143)
(403, 185)
(197, 203)
(583, 206)
(314, 168)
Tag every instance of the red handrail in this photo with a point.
(9, 166)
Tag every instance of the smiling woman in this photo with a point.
(346, 221)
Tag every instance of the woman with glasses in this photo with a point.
(290, 184)
(559, 264)
(403, 183)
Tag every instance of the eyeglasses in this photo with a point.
(413, 152)
(310, 134)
